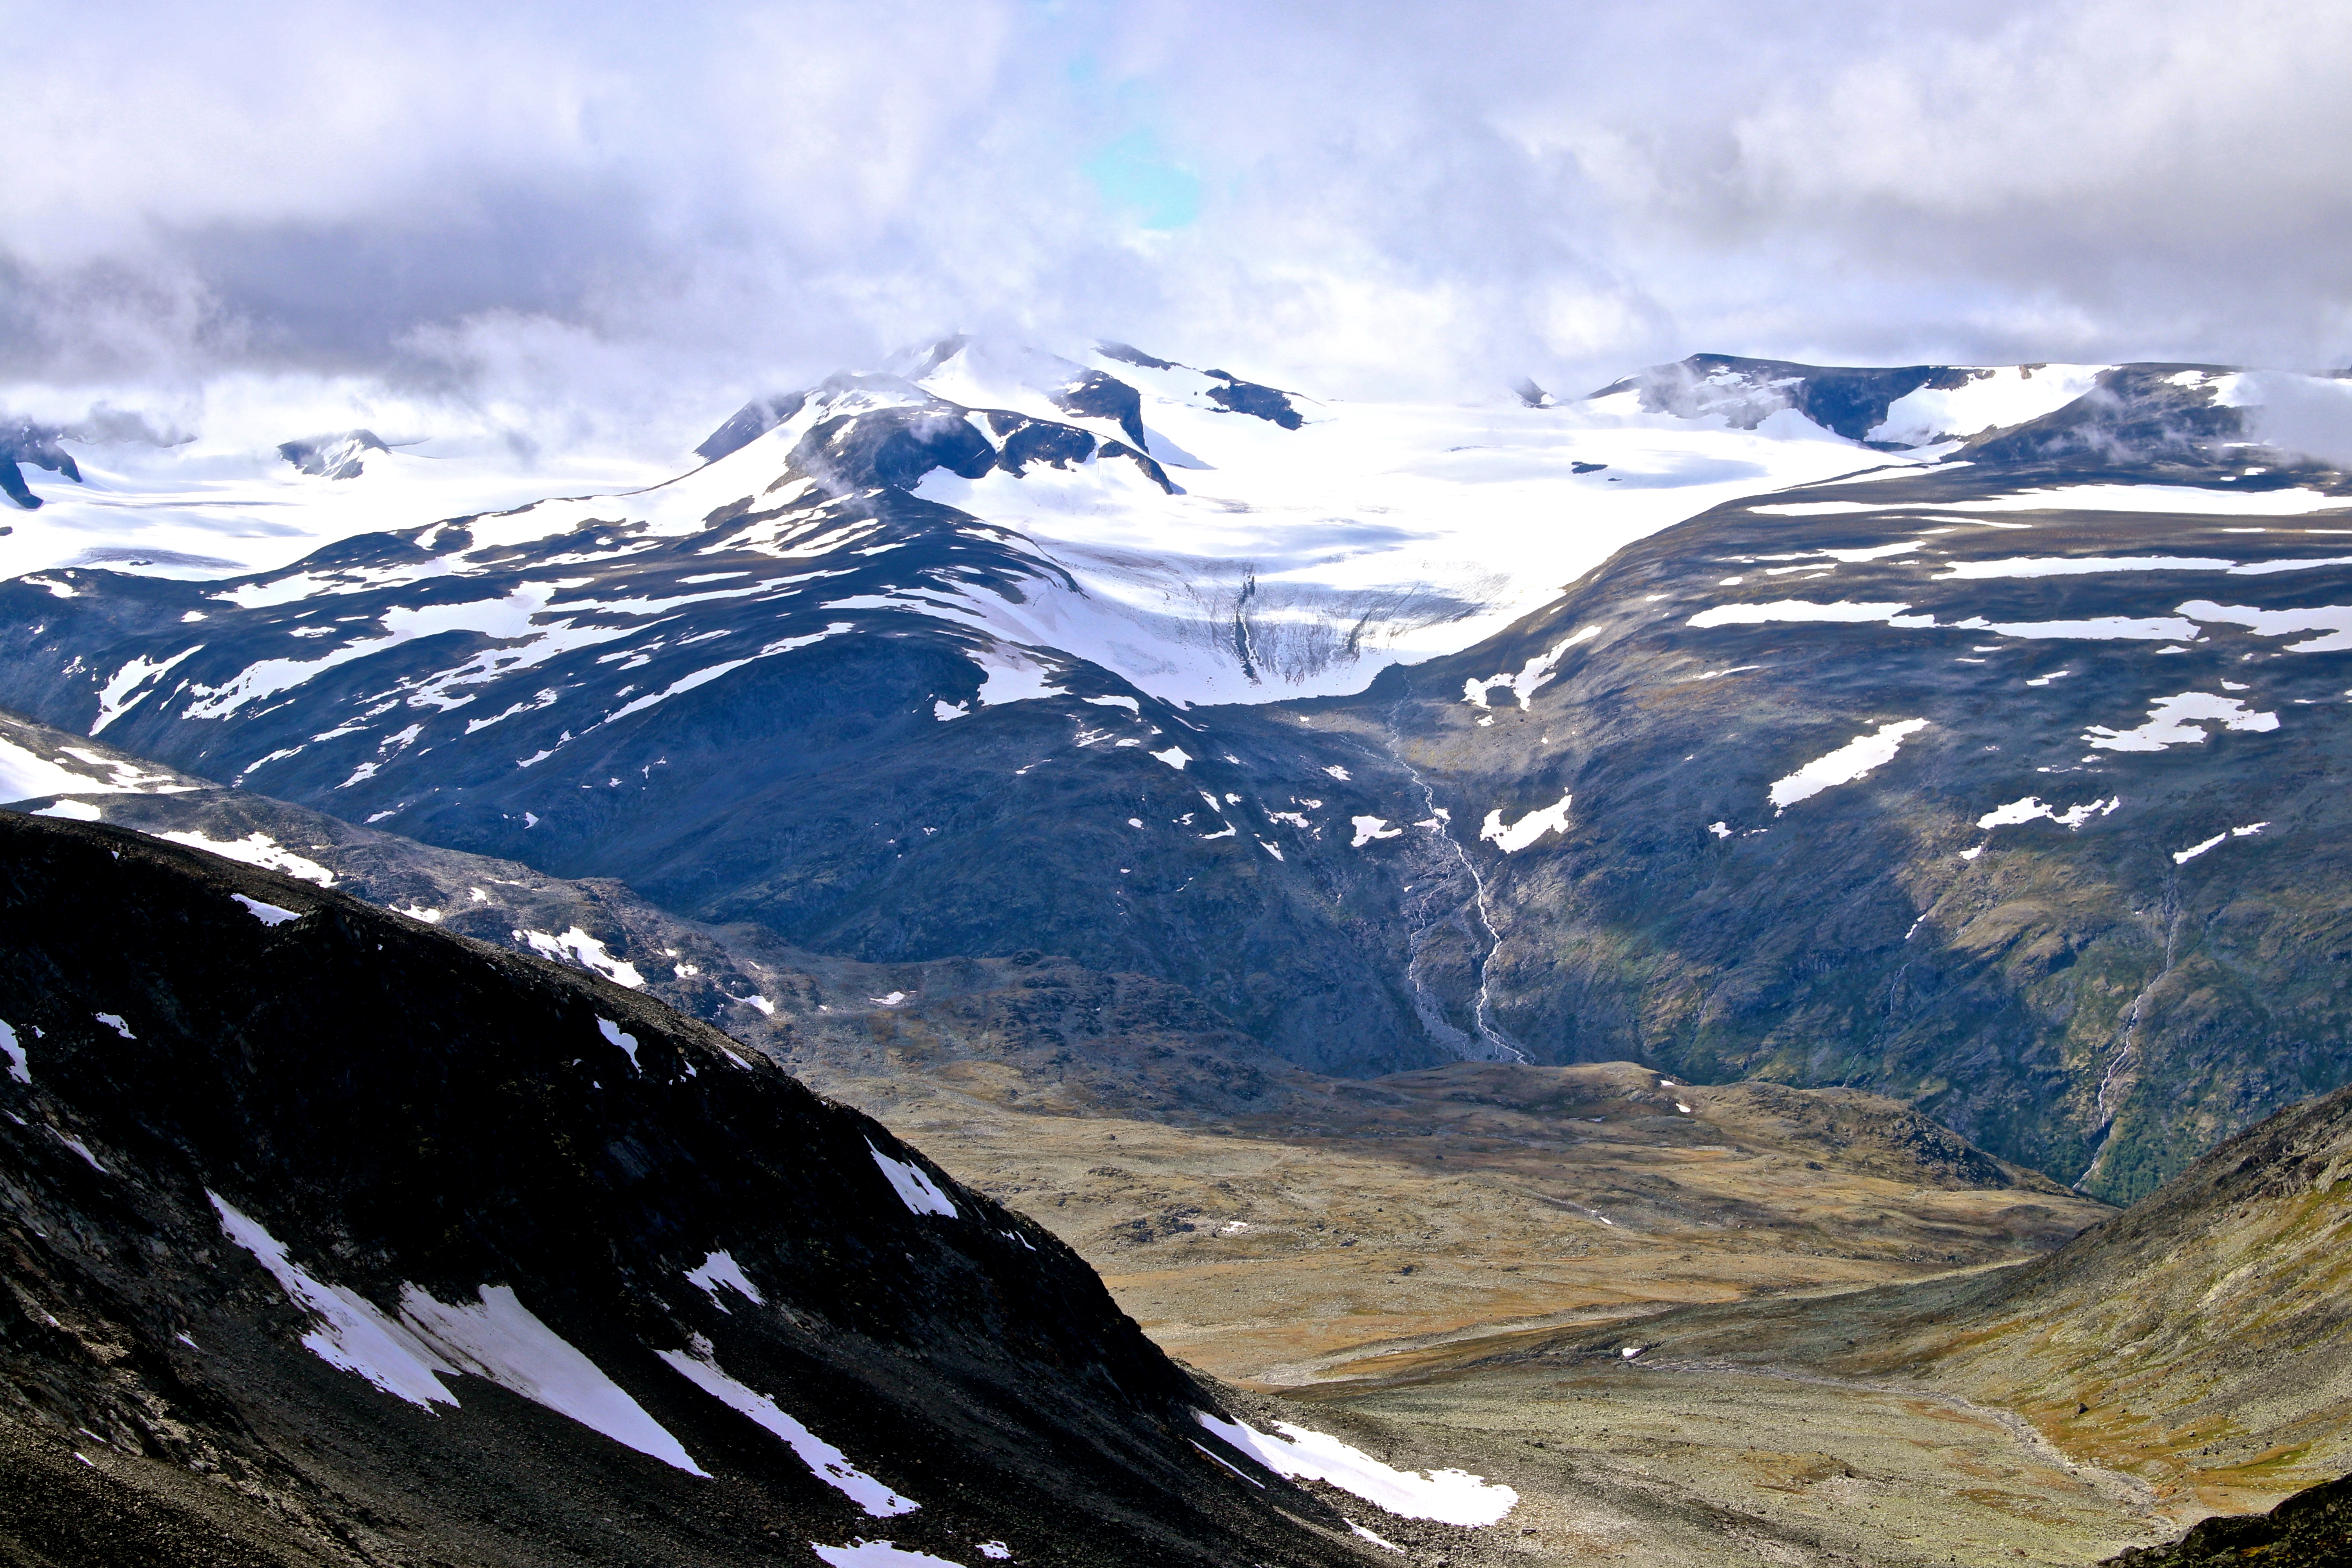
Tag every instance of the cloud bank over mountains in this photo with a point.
(603, 223)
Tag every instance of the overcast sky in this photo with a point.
(638, 215)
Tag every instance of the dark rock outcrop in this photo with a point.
(2313, 1529)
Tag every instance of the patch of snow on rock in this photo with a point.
(1807, 610)
(1552, 818)
(81, 1148)
(1369, 829)
(257, 848)
(720, 1269)
(576, 946)
(20, 1067)
(1849, 762)
(914, 1185)
(878, 1554)
(626, 1042)
(501, 1338)
(2032, 807)
(2179, 720)
(2194, 850)
(825, 1461)
(353, 1335)
(268, 914)
(2334, 619)
(1174, 757)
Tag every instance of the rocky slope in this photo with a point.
(336, 1238)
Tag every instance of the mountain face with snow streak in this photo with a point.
(331, 1233)
(1182, 675)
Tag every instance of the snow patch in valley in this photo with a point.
(825, 1461)
(1174, 757)
(2179, 720)
(257, 848)
(1552, 818)
(1849, 762)
(914, 1185)
(1369, 829)
(1533, 676)
(20, 1067)
(1449, 1496)
(117, 697)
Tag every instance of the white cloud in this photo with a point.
(608, 223)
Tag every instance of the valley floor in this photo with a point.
(1402, 1277)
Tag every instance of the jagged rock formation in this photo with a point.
(22, 442)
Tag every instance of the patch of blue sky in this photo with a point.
(1135, 176)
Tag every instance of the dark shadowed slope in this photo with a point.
(335, 1238)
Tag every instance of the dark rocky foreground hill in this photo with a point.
(335, 1238)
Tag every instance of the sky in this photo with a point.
(598, 223)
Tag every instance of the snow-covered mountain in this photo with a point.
(1185, 675)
